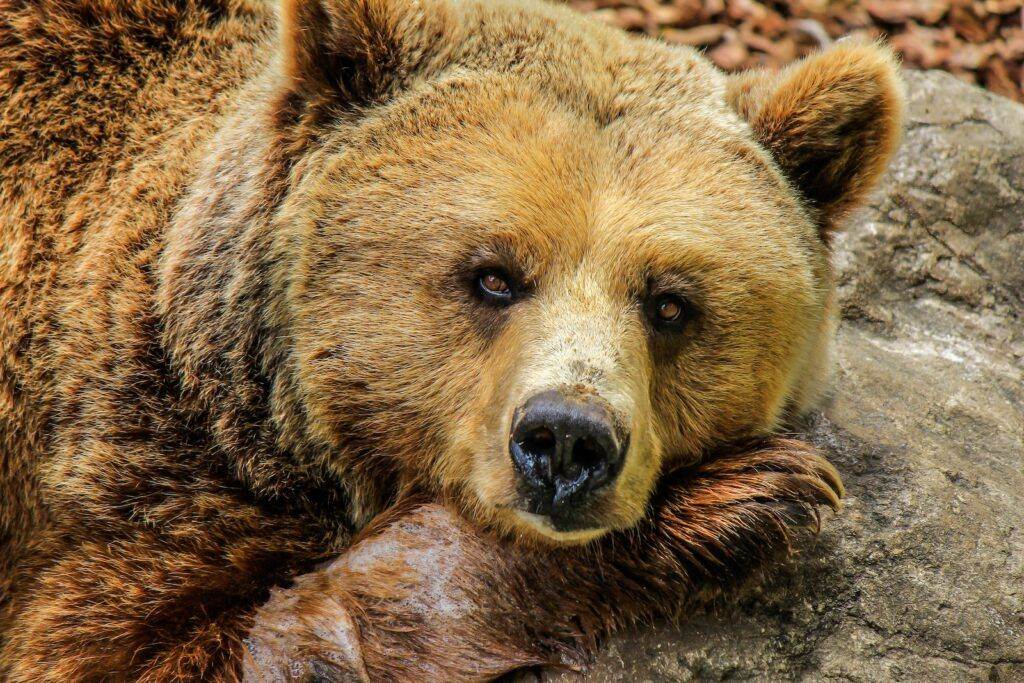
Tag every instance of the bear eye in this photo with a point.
(494, 285)
(669, 312)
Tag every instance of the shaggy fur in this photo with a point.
(235, 254)
(424, 576)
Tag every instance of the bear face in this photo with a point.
(514, 247)
(532, 263)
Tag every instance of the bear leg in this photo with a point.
(426, 596)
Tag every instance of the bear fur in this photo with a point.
(234, 240)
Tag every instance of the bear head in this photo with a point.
(531, 262)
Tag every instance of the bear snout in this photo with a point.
(565, 450)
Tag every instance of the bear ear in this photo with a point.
(831, 121)
(356, 51)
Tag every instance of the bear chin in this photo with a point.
(539, 524)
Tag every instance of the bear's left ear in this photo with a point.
(831, 121)
(355, 51)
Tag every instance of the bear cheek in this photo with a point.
(476, 464)
(478, 457)
(643, 466)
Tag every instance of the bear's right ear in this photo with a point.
(831, 121)
(357, 51)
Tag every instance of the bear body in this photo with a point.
(237, 244)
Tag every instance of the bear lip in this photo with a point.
(544, 526)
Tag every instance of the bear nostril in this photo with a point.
(588, 454)
(539, 442)
(535, 452)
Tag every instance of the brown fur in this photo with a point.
(505, 606)
(234, 321)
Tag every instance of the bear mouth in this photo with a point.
(565, 533)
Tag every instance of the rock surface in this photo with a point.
(921, 576)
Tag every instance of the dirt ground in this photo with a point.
(979, 41)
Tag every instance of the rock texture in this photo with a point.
(921, 576)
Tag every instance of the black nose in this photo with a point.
(563, 449)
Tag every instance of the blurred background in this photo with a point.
(979, 41)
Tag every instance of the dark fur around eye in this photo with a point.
(494, 275)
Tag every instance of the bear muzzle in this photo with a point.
(567, 450)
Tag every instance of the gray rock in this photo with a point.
(921, 575)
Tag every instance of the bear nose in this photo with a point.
(563, 449)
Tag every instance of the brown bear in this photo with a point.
(500, 305)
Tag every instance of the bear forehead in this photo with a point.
(478, 157)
